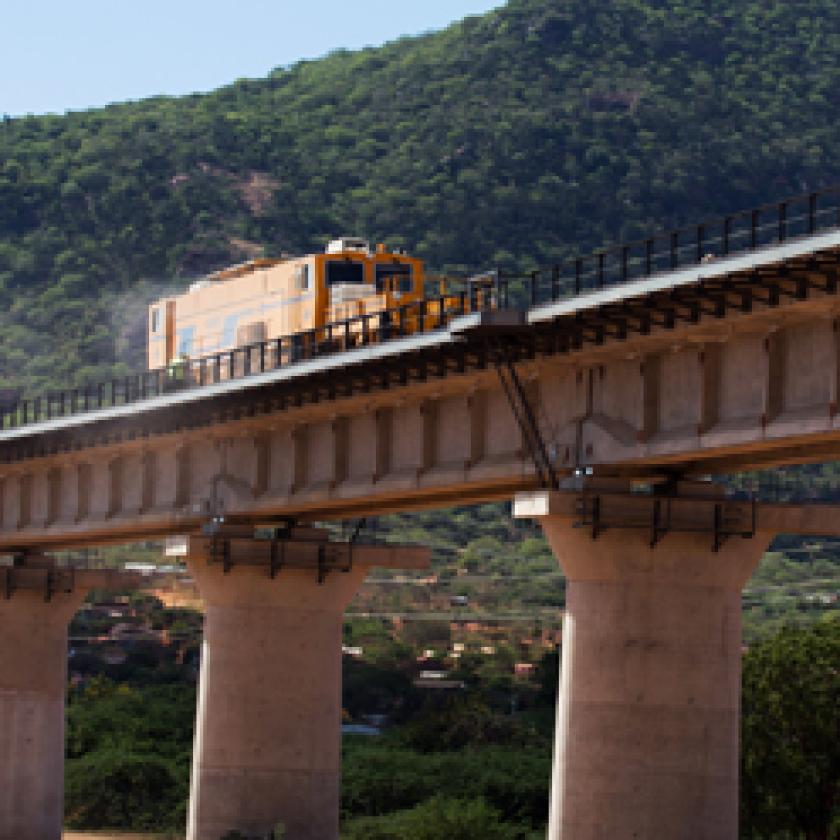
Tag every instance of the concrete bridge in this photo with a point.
(701, 352)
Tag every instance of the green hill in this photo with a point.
(515, 137)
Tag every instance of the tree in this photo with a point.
(791, 735)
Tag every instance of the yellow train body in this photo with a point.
(261, 300)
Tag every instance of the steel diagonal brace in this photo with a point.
(524, 415)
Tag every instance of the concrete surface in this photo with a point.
(33, 679)
(267, 745)
(647, 728)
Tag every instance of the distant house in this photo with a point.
(438, 680)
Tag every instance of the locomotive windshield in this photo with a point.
(395, 277)
(345, 271)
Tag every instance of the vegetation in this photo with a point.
(467, 761)
(791, 721)
(508, 139)
(128, 755)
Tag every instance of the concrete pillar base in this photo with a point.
(268, 739)
(33, 680)
(647, 729)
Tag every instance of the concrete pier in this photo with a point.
(647, 727)
(267, 743)
(33, 680)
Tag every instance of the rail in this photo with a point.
(739, 232)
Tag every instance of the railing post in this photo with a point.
(441, 312)
(262, 357)
(278, 350)
(49, 406)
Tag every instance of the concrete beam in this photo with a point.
(810, 519)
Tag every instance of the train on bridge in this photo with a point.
(342, 298)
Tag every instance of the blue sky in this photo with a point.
(61, 55)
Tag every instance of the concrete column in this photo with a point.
(647, 729)
(268, 737)
(33, 680)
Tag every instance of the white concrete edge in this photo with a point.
(532, 504)
(717, 268)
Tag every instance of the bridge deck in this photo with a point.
(590, 309)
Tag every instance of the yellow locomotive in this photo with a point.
(265, 299)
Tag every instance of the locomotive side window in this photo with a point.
(394, 277)
(345, 271)
(302, 277)
(155, 320)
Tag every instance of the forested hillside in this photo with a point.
(515, 137)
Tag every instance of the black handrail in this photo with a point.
(747, 230)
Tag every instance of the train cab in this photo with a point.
(273, 298)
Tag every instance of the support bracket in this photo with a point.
(662, 515)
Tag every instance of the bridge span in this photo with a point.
(606, 409)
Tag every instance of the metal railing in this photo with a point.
(741, 232)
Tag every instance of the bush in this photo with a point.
(439, 817)
(110, 789)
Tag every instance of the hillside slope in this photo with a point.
(518, 136)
